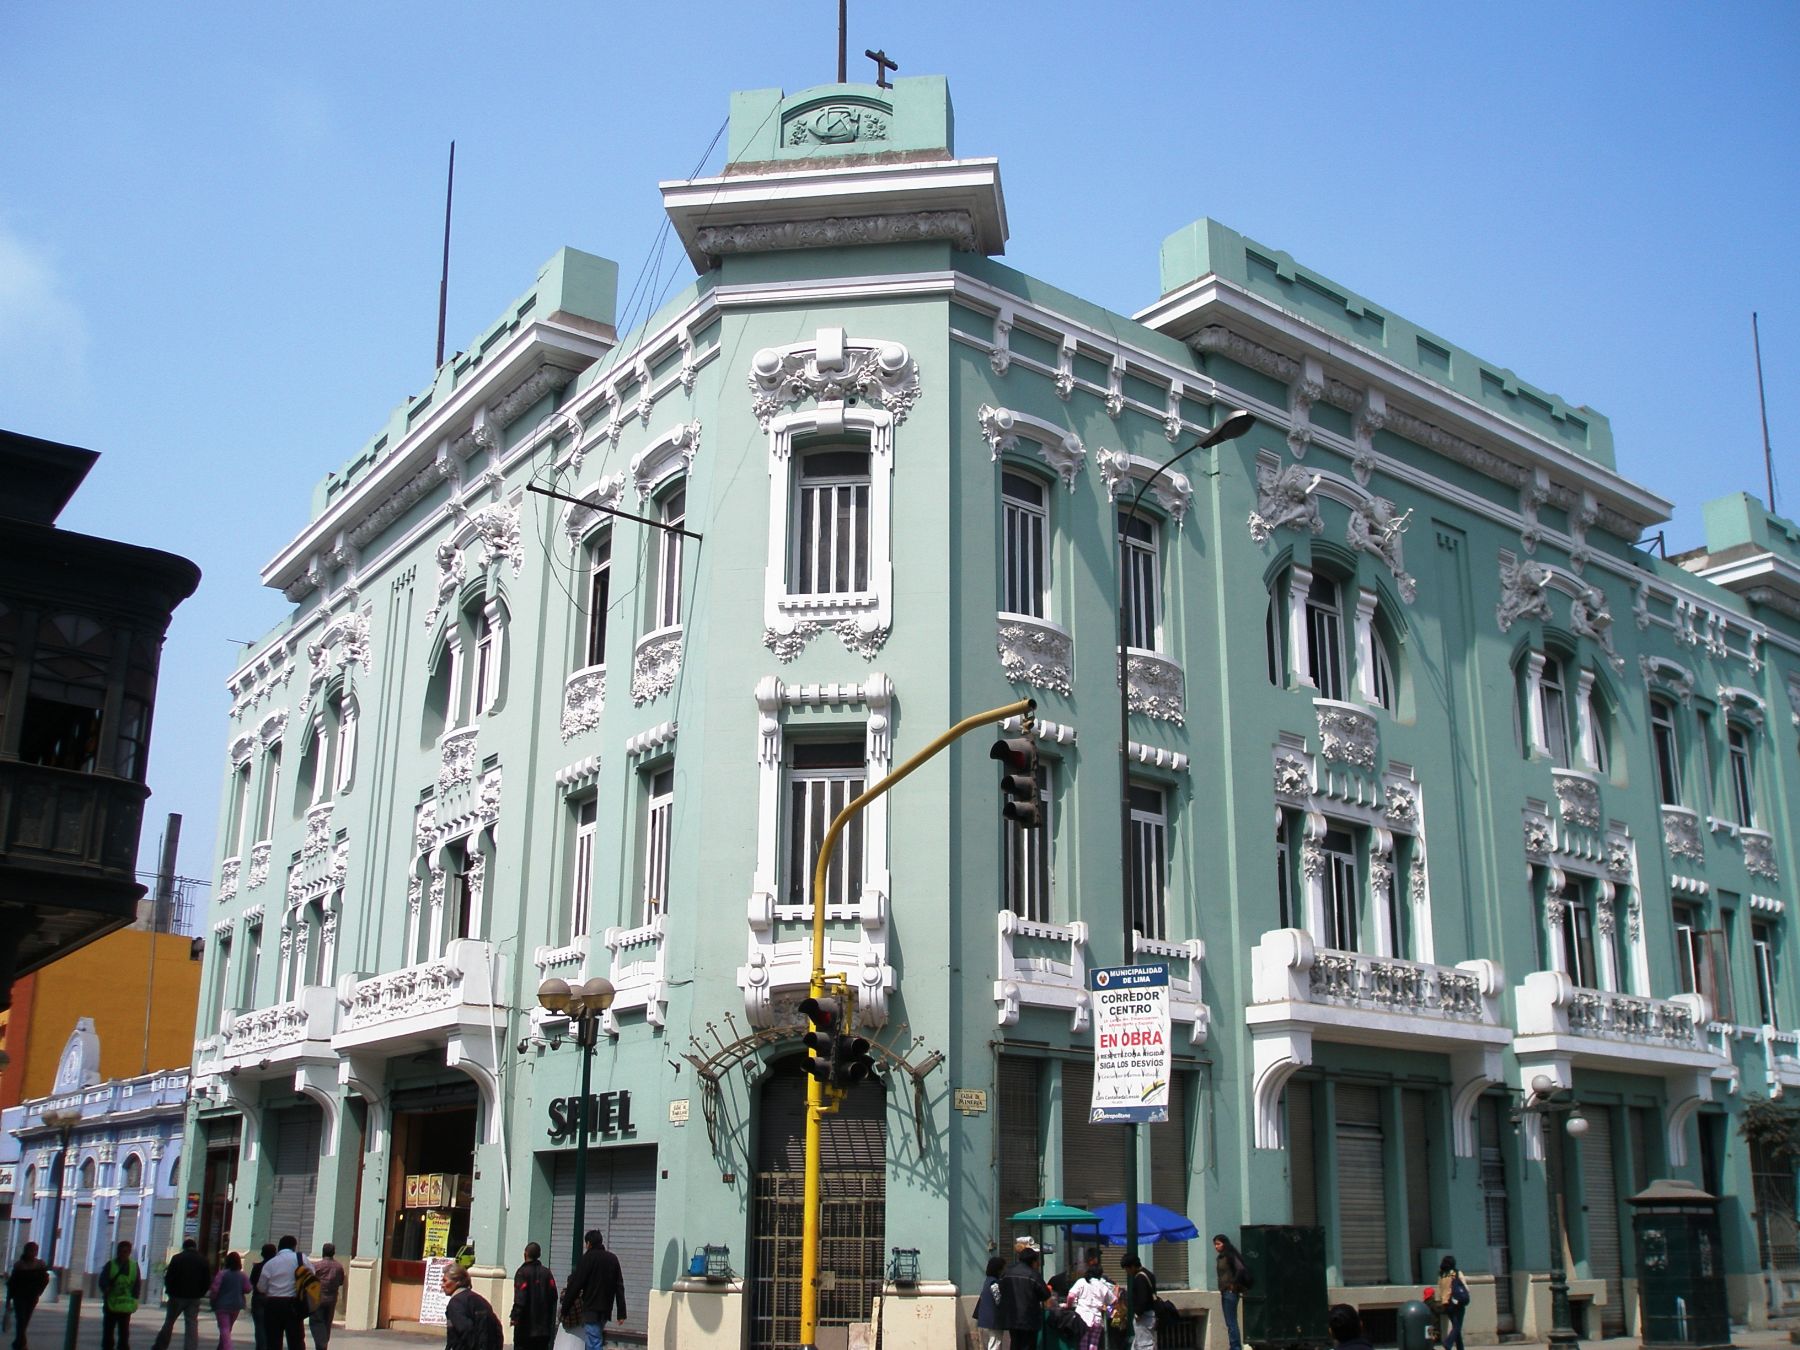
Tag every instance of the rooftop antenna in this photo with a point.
(843, 34)
(444, 277)
(1763, 404)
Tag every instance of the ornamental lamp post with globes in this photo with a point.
(1547, 1100)
(585, 1006)
(1234, 425)
(63, 1120)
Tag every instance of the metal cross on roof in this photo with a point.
(882, 67)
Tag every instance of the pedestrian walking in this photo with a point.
(1140, 1298)
(331, 1275)
(259, 1301)
(1024, 1297)
(283, 1316)
(1092, 1296)
(535, 1305)
(1451, 1302)
(1345, 1325)
(987, 1306)
(24, 1287)
(467, 1315)
(230, 1287)
(185, 1282)
(120, 1284)
(1234, 1279)
(596, 1287)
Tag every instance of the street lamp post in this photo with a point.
(585, 1005)
(1234, 425)
(63, 1121)
(1547, 1101)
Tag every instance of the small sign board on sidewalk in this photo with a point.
(432, 1299)
(1132, 1052)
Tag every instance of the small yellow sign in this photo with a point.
(437, 1234)
(970, 1101)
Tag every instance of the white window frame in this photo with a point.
(1025, 581)
(813, 552)
(252, 965)
(1553, 710)
(1150, 842)
(668, 555)
(485, 668)
(870, 610)
(1139, 564)
(1741, 765)
(581, 865)
(1340, 878)
(830, 788)
(1028, 857)
(1762, 958)
(659, 822)
(1325, 655)
(599, 602)
(1687, 945)
(1665, 751)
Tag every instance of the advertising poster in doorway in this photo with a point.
(437, 1233)
(432, 1301)
(1131, 1045)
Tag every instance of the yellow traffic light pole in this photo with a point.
(816, 1108)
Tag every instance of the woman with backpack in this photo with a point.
(1452, 1302)
(1234, 1280)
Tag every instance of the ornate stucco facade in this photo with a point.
(1438, 783)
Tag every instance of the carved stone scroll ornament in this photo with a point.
(351, 633)
(497, 527)
(1036, 653)
(1172, 490)
(1285, 501)
(654, 667)
(882, 373)
(582, 519)
(584, 699)
(999, 428)
(1522, 595)
(858, 639)
(1589, 617)
(1156, 687)
(1374, 528)
(1578, 800)
(1293, 777)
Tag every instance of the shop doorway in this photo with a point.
(1600, 1199)
(853, 1207)
(621, 1203)
(218, 1187)
(430, 1174)
(1497, 1212)
(295, 1158)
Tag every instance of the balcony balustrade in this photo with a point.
(639, 965)
(1681, 833)
(1157, 685)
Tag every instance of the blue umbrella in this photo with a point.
(1154, 1224)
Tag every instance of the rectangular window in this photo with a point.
(460, 918)
(665, 607)
(831, 523)
(1553, 709)
(1342, 891)
(1714, 947)
(240, 810)
(581, 868)
(265, 816)
(823, 778)
(1743, 794)
(1762, 955)
(599, 598)
(659, 820)
(1284, 872)
(1029, 856)
(1688, 928)
(1665, 752)
(1149, 861)
(251, 967)
(1325, 638)
(1024, 534)
(221, 981)
(487, 676)
(1577, 937)
(1140, 581)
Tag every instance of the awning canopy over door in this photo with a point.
(1362, 1186)
(621, 1203)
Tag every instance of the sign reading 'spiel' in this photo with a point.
(1132, 1057)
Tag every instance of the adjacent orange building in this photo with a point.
(141, 988)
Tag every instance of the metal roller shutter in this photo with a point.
(1093, 1161)
(1302, 1178)
(296, 1174)
(621, 1203)
(125, 1229)
(1362, 1186)
(1169, 1181)
(1600, 1198)
(1416, 1149)
(1021, 1154)
(82, 1261)
(1493, 1194)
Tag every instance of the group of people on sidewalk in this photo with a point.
(1081, 1308)
(595, 1295)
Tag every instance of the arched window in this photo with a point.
(1140, 579)
(1024, 545)
(1553, 711)
(1325, 637)
(469, 677)
(131, 1175)
(599, 600)
(328, 758)
(86, 1176)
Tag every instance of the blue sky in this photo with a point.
(220, 223)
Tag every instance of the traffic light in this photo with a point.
(851, 1061)
(822, 1036)
(1018, 756)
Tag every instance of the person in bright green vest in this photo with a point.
(120, 1281)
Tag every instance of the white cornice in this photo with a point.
(536, 343)
(844, 192)
(1209, 300)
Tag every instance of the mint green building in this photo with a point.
(1438, 783)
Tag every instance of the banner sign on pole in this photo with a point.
(1132, 1052)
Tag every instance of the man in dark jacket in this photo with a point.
(534, 1305)
(1345, 1325)
(596, 1287)
(1140, 1296)
(24, 1287)
(465, 1312)
(1023, 1295)
(185, 1282)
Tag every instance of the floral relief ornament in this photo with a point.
(1284, 501)
(1374, 528)
(857, 639)
(1035, 654)
(882, 373)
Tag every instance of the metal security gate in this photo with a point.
(1093, 1159)
(852, 1212)
(125, 1229)
(1600, 1198)
(1302, 1174)
(296, 1174)
(621, 1203)
(1362, 1186)
(1493, 1196)
(82, 1263)
(1019, 1124)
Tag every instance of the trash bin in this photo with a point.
(1412, 1320)
(1681, 1266)
(1286, 1304)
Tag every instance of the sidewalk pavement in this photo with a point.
(49, 1327)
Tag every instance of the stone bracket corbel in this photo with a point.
(1473, 1071)
(1278, 1053)
(362, 1074)
(319, 1082)
(470, 1051)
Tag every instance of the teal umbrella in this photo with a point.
(1055, 1212)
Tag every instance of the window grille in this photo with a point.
(1325, 637)
(1149, 861)
(659, 819)
(1029, 857)
(1025, 531)
(1140, 579)
(823, 778)
(831, 526)
(581, 882)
